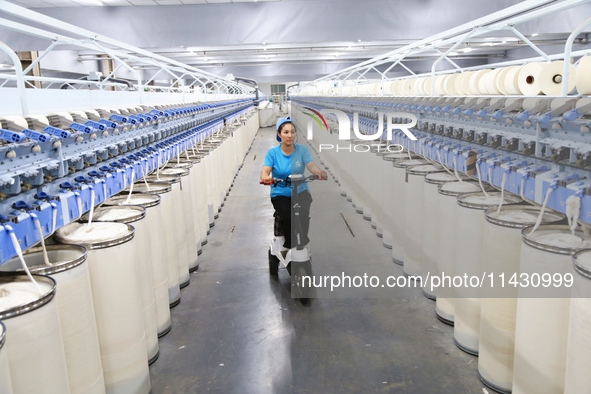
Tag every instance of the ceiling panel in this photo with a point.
(119, 3)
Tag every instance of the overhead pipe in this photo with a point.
(20, 78)
(251, 82)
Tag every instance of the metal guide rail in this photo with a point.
(540, 145)
(51, 175)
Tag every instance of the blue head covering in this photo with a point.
(279, 123)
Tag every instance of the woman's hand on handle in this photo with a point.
(266, 175)
(316, 171)
(321, 175)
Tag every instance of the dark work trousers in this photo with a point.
(283, 209)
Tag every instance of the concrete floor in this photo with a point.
(237, 329)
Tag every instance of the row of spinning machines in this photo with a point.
(494, 189)
(104, 215)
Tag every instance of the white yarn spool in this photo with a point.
(499, 80)
(116, 291)
(158, 265)
(34, 344)
(529, 79)
(529, 103)
(407, 87)
(459, 83)
(426, 86)
(449, 85)
(417, 88)
(475, 86)
(5, 382)
(502, 251)
(551, 78)
(511, 80)
(578, 362)
(447, 243)
(583, 82)
(469, 260)
(467, 83)
(490, 81)
(76, 311)
(392, 88)
(414, 207)
(168, 232)
(541, 329)
(440, 84)
(431, 225)
(399, 210)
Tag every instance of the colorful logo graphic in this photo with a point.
(315, 118)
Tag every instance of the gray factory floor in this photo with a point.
(237, 329)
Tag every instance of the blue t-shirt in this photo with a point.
(283, 166)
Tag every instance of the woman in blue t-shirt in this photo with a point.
(280, 162)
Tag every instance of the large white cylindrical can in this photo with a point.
(159, 268)
(413, 217)
(200, 221)
(502, 253)
(388, 194)
(5, 382)
(186, 209)
(69, 269)
(399, 208)
(446, 257)
(135, 215)
(578, 362)
(34, 343)
(469, 260)
(541, 327)
(163, 188)
(431, 225)
(116, 291)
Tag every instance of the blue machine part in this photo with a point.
(57, 132)
(81, 128)
(36, 135)
(96, 125)
(11, 136)
(58, 189)
(108, 123)
(119, 118)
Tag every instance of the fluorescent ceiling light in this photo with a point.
(535, 34)
(92, 2)
(466, 50)
(452, 54)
